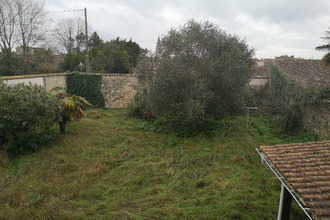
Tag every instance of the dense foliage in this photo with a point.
(28, 114)
(86, 85)
(10, 64)
(40, 62)
(115, 56)
(200, 72)
(286, 99)
(71, 62)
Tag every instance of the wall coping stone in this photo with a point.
(31, 76)
(60, 74)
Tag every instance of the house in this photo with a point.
(310, 75)
(307, 73)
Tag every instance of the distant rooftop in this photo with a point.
(307, 73)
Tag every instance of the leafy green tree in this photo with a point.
(10, 64)
(71, 62)
(202, 72)
(326, 48)
(95, 40)
(115, 56)
(134, 50)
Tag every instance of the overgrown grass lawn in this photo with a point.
(113, 167)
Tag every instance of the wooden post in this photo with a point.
(285, 204)
(86, 33)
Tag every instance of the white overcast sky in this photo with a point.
(271, 27)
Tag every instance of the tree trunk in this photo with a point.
(62, 126)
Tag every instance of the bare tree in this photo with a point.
(7, 25)
(30, 23)
(69, 33)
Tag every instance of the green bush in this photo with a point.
(10, 64)
(285, 98)
(28, 114)
(88, 86)
(200, 72)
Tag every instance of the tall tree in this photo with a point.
(115, 56)
(7, 25)
(201, 72)
(95, 40)
(326, 48)
(30, 23)
(70, 35)
(22, 23)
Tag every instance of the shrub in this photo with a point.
(73, 107)
(200, 72)
(88, 86)
(28, 114)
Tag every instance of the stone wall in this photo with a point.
(317, 119)
(55, 81)
(47, 81)
(118, 90)
(259, 82)
(39, 81)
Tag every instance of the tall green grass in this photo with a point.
(116, 167)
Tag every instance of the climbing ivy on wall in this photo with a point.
(287, 99)
(88, 86)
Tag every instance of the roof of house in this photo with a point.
(305, 168)
(307, 73)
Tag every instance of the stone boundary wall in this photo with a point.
(47, 81)
(259, 82)
(317, 119)
(118, 89)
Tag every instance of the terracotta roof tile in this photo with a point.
(307, 73)
(306, 169)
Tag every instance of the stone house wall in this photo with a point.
(317, 119)
(259, 82)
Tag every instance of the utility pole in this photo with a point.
(86, 33)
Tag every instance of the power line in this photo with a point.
(85, 10)
(66, 11)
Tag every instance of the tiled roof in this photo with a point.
(307, 73)
(306, 170)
